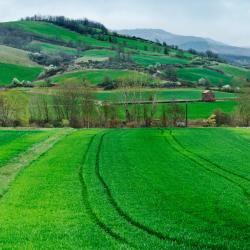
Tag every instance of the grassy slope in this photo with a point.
(10, 71)
(48, 30)
(233, 70)
(147, 60)
(94, 76)
(15, 56)
(50, 48)
(194, 74)
(99, 53)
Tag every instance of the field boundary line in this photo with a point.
(10, 171)
(137, 224)
(85, 195)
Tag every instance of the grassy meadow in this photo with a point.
(95, 77)
(163, 94)
(10, 71)
(132, 189)
(195, 74)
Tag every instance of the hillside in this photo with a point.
(235, 54)
(52, 53)
(54, 42)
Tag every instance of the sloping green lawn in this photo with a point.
(93, 76)
(10, 71)
(195, 74)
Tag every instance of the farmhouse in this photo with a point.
(208, 96)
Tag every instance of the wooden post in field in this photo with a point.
(186, 114)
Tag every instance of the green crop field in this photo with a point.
(147, 60)
(195, 74)
(50, 48)
(10, 71)
(233, 70)
(15, 56)
(133, 189)
(13, 143)
(162, 94)
(196, 110)
(93, 76)
(99, 53)
(202, 110)
(96, 55)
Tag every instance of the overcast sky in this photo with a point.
(224, 20)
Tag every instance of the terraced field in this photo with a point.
(127, 189)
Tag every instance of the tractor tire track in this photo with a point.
(11, 171)
(85, 195)
(207, 160)
(189, 155)
(137, 224)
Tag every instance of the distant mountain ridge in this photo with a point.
(189, 42)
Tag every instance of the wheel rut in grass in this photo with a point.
(138, 225)
(197, 160)
(207, 160)
(85, 195)
(10, 171)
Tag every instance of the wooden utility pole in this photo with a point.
(186, 114)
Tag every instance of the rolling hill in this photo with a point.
(191, 42)
(53, 42)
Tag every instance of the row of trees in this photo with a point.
(76, 105)
(82, 26)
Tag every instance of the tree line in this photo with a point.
(75, 105)
(82, 26)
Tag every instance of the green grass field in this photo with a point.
(162, 94)
(99, 53)
(233, 70)
(196, 110)
(15, 56)
(96, 55)
(147, 60)
(13, 143)
(202, 110)
(194, 74)
(10, 71)
(126, 189)
(50, 48)
(93, 76)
